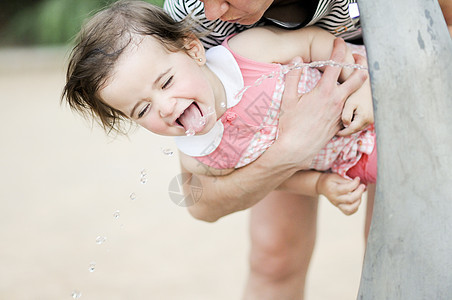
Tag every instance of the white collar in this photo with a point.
(223, 64)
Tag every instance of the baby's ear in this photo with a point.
(195, 49)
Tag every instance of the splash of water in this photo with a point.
(201, 121)
(92, 267)
(144, 177)
(76, 294)
(101, 239)
(167, 151)
(190, 132)
(323, 63)
(287, 68)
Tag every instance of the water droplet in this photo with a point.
(210, 111)
(167, 151)
(190, 132)
(260, 80)
(318, 64)
(287, 68)
(76, 294)
(92, 267)
(223, 104)
(202, 121)
(239, 95)
(116, 214)
(133, 196)
(101, 239)
(143, 172)
(143, 179)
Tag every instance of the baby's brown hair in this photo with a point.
(100, 43)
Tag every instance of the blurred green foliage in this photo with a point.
(46, 22)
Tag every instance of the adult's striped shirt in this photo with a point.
(331, 15)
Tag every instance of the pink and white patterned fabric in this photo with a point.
(251, 126)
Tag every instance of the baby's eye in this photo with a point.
(167, 83)
(143, 111)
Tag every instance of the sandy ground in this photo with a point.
(62, 180)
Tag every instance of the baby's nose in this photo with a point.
(166, 108)
(164, 113)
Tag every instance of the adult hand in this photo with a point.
(308, 123)
(343, 193)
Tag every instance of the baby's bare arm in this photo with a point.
(302, 183)
(343, 193)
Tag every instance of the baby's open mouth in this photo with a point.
(191, 118)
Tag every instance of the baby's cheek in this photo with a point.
(154, 126)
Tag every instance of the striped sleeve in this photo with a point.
(333, 16)
(212, 33)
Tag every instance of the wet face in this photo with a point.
(165, 92)
(245, 12)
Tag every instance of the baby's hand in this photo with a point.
(343, 193)
(358, 109)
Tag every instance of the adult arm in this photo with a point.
(313, 120)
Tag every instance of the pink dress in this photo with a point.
(250, 124)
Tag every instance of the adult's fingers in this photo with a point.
(348, 113)
(331, 73)
(357, 78)
(354, 82)
(290, 95)
(357, 125)
(360, 60)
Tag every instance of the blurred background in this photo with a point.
(88, 216)
(45, 22)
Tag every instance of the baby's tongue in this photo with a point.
(191, 118)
